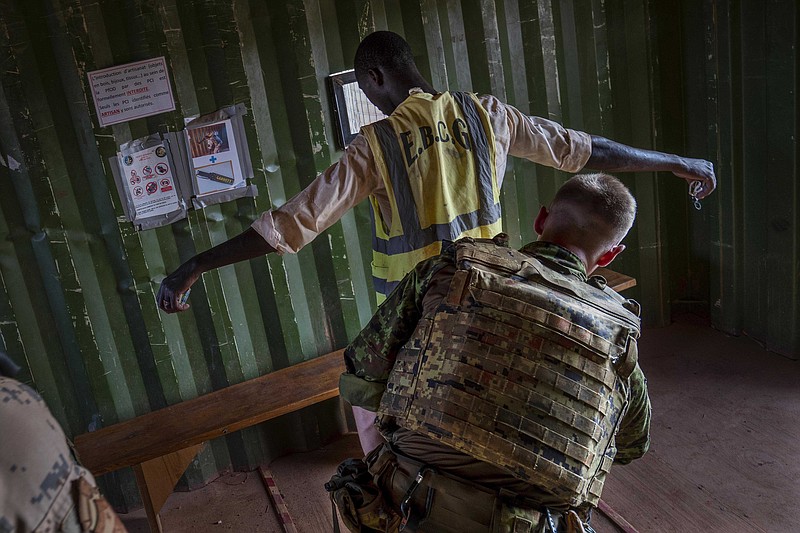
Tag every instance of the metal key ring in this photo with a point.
(694, 189)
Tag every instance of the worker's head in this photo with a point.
(385, 69)
(590, 215)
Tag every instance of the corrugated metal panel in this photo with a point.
(740, 69)
(78, 284)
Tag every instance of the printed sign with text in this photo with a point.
(150, 182)
(135, 90)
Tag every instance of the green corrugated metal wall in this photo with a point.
(727, 79)
(745, 108)
(712, 79)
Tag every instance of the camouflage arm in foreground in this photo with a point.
(633, 438)
(370, 357)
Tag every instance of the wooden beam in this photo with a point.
(615, 517)
(156, 480)
(618, 282)
(276, 497)
(221, 412)
(153, 516)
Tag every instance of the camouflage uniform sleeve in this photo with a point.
(369, 358)
(633, 438)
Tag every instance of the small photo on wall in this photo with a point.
(208, 140)
(215, 177)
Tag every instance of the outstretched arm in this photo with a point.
(303, 217)
(246, 245)
(612, 156)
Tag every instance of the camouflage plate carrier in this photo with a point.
(522, 367)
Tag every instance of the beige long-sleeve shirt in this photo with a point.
(355, 176)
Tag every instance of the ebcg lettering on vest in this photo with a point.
(426, 138)
(436, 155)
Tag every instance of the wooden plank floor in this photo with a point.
(238, 502)
(726, 432)
(725, 437)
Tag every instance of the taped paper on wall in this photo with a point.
(217, 154)
(215, 158)
(159, 177)
(148, 182)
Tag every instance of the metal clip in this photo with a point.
(405, 506)
(694, 188)
(185, 296)
(550, 523)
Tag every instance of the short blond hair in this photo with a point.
(589, 200)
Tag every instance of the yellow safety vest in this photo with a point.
(436, 155)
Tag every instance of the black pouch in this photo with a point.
(359, 500)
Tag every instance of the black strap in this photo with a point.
(504, 494)
(405, 504)
(335, 516)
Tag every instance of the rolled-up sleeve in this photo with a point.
(326, 199)
(537, 139)
(370, 357)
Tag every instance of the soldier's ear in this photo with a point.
(609, 256)
(538, 224)
(376, 75)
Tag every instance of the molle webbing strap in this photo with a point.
(552, 345)
(465, 406)
(521, 367)
(509, 261)
(493, 353)
(601, 345)
(506, 262)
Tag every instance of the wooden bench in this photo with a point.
(161, 444)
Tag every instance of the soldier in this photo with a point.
(432, 171)
(43, 489)
(506, 382)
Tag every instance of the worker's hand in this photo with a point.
(700, 171)
(174, 288)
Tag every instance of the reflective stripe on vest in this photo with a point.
(521, 367)
(437, 158)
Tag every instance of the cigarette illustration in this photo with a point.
(213, 176)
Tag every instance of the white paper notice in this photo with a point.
(150, 182)
(135, 90)
(215, 158)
